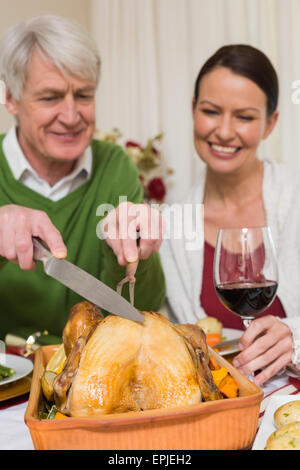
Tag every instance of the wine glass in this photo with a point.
(245, 271)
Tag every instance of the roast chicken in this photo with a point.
(116, 365)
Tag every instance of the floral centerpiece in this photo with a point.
(153, 173)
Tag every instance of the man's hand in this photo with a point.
(120, 227)
(266, 345)
(17, 227)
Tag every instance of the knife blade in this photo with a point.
(84, 283)
(226, 344)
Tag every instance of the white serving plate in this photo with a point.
(228, 334)
(21, 366)
(267, 426)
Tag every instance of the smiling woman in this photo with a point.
(230, 122)
(234, 109)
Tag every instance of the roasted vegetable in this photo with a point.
(212, 339)
(6, 372)
(47, 384)
(223, 380)
(57, 361)
(53, 368)
(219, 375)
(210, 325)
(228, 387)
(55, 414)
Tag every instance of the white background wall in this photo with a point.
(151, 52)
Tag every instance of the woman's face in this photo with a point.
(230, 120)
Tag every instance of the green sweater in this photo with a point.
(32, 301)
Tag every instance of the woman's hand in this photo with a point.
(266, 345)
(120, 227)
(17, 227)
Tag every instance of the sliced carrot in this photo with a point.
(219, 375)
(213, 365)
(228, 387)
(213, 338)
(59, 415)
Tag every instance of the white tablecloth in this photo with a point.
(15, 435)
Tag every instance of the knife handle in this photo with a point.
(40, 250)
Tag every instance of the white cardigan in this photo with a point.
(183, 268)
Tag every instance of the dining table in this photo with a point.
(15, 435)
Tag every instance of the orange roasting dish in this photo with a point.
(120, 385)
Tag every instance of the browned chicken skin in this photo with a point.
(83, 316)
(116, 365)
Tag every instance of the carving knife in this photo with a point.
(84, 284)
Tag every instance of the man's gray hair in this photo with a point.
(58, 40)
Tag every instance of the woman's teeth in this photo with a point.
(220, 148)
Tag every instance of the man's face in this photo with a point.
(56, 114)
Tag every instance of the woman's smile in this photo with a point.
(224, 151)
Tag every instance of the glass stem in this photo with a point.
(247, 322)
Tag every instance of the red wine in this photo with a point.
(247, 299)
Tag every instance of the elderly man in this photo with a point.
(54, 177)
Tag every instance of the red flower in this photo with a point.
(131, 143)
(156, 189)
